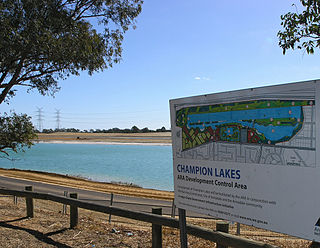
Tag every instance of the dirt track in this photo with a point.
(86, 184)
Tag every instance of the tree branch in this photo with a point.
(3, 77)
(92, 16)
(37, 75)
(84, 10)
(12, 82)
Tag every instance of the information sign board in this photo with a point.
(251, 156)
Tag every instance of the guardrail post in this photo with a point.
(157, 230)
(29, 202)
(222, 227)
(15, 200)
(64, 207)
(183, 228)
(238, 228)
(173, 210)
(73, 212)
(111, 202)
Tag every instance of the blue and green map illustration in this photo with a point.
(252, 122)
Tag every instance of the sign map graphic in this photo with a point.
(270, 123)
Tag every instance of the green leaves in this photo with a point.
(52, 39)
(44, 41)
(301, 31)
(16, 133)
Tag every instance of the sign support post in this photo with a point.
(183, 228)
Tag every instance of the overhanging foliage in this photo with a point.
(301, 30)
(43, 41)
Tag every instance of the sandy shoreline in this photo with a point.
(80, 183)
(100, 143)
(157, 139)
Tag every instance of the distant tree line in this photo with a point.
(134, 129)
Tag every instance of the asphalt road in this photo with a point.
(127, 202)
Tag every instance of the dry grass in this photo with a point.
(50, 228)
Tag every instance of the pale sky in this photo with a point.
(180, 48)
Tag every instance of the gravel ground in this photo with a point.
(50, 228)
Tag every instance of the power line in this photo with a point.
(119, 112)
(102, 120)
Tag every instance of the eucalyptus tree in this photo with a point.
(44, 41)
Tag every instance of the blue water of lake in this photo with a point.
(146, 166)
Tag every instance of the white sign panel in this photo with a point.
(251, 156)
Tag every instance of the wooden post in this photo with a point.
(64, 207)
(29, 203)
(183, 228)
(173, 210)
(238, 228)
(222, 227)
(111, 202)
(73, 212)
(157, 230)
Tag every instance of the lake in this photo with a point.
(148, 166)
